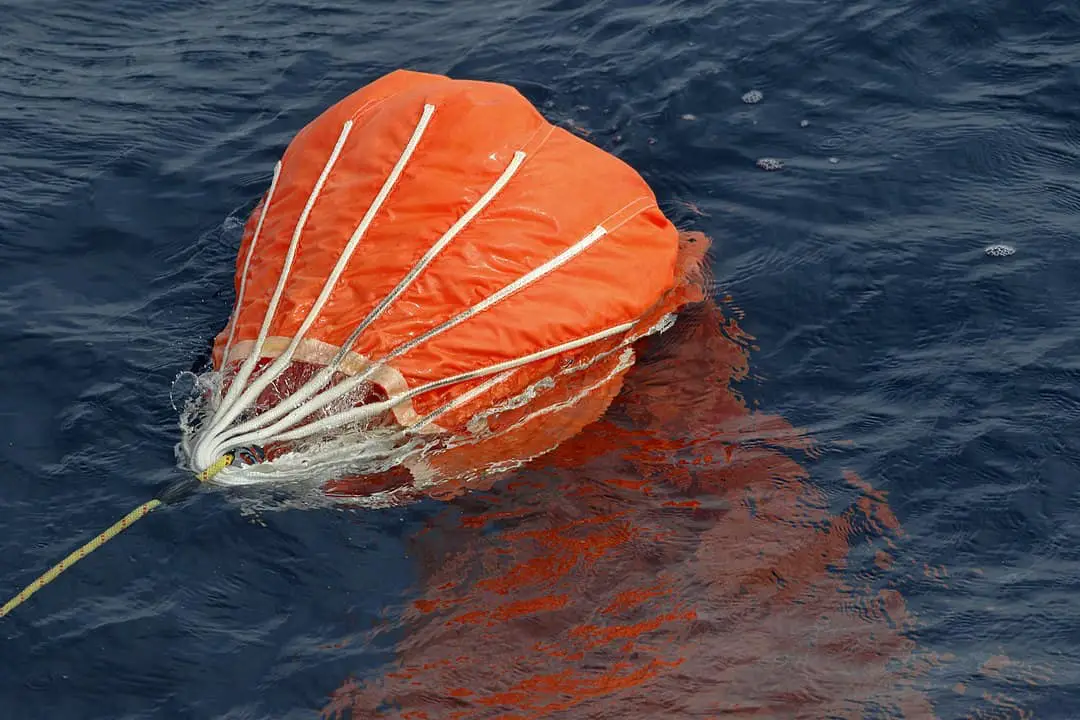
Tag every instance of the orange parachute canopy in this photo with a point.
(436, 263)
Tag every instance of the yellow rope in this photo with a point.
(123, 524)
(223, 462)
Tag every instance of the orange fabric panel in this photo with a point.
(563, 190)
(534, 436)
(517, 435)
(692, 288)
(302, 163)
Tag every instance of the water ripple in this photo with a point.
(913, 136)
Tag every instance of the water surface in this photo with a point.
(905, 543)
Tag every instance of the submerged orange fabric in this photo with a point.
(674, 560)
(565, 188)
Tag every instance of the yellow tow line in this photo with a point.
(168, 495)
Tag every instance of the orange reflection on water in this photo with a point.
(673, 559)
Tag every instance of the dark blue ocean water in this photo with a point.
(136, 136)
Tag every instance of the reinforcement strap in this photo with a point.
(115, 529)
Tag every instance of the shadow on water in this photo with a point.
(674, 559)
